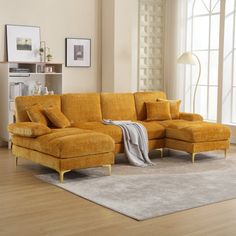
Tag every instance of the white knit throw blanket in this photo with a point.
(135, 141)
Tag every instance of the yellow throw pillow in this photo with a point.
(57, 118)
(174, 107)
(158, 110)
(28, 129)
(36, 114)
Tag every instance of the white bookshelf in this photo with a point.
(25, 74)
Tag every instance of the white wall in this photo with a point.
(119, 45)
(108, 9)
(59, 19)
(126, 45)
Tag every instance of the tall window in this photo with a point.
(229, 88)
(203, 26)
(217, 53)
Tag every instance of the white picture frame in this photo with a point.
(78, 52)
(23, 43)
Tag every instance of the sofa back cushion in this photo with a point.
(142, 97)
(24, 102)
(118, 106)
(81, 107)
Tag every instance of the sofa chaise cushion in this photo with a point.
(68, 143)
(198, 132)
(179, 123)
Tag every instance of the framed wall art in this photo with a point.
(78, 52)
(23, 43)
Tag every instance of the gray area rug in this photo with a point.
(173, 184)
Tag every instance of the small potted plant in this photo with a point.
(41, 53)
(49, 55)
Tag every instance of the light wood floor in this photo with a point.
(31, 207)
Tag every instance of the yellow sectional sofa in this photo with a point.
(90, 143)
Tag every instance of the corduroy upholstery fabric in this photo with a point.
(66, 163)
(154, 129)
(196, 147)
(28, 129)
(190, 116)
(36, 114)
(57, 118)
(198, 132)
(152, 144)
(81, 107)
(118, 106)
(112, 130)
(141, 98)
(68, 143)
(23, 102)
(158, 111)
(174, 107)
(91, 143)
(180, 123)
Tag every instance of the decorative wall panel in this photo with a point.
(151, 45)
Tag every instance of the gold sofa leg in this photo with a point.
(225, 153)
(109, 168)
(16, 159)
(161, 151)
(193, 157)
(61, 173)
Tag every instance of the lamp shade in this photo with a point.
(187, 58)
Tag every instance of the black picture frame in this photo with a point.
(78, 52)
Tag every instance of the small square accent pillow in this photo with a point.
(57, 118)
(174, 107)
(36, 114)
(28, 129)
(158, 110)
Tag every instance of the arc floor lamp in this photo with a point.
(189, 58)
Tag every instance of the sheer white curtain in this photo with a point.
(175, 45)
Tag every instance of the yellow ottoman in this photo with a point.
(197, 137)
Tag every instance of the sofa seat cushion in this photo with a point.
(68, 143)
(197, 131)
(112, 130)
(155, 130)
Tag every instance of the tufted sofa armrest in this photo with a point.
(190, 116)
